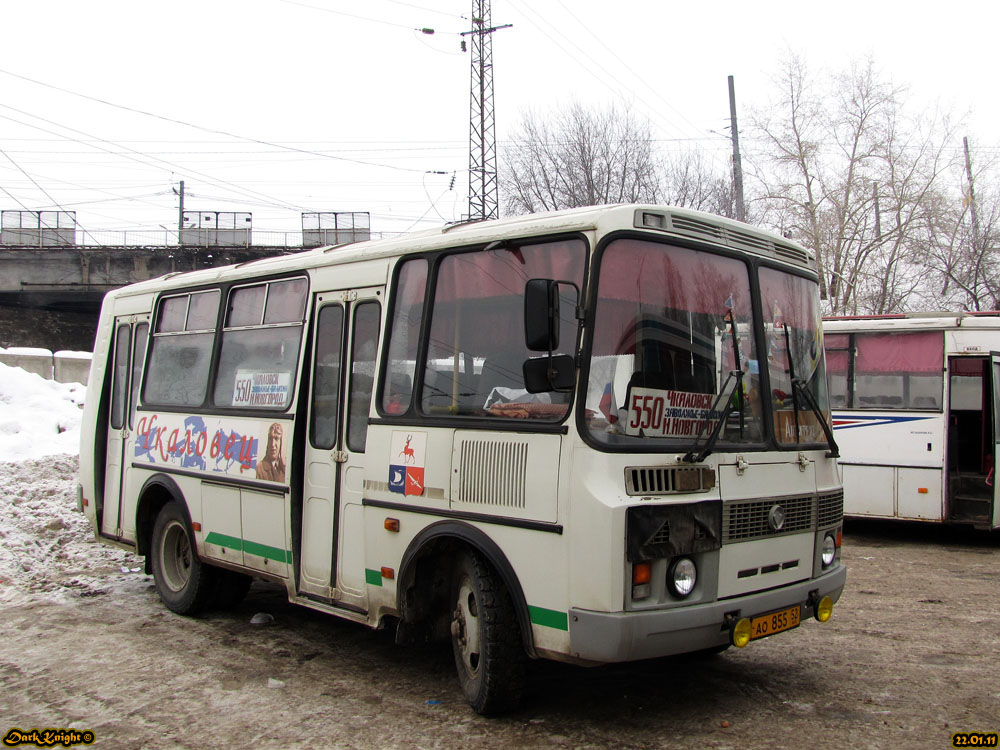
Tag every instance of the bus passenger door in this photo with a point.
(972, 439)
(995, 515)
(346, 342)
(126, 367)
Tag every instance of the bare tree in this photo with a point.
(857, 180)
(691, 181)
(579, 157)
(963, 253)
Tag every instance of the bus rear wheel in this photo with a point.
(184, 583)
(485, 638)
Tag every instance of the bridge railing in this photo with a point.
(167, 237)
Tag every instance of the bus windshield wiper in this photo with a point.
(799, 387)
(691, 456)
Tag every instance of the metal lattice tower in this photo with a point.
(483, 193)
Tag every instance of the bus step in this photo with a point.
(969, 507)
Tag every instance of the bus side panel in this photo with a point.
(892, 463)
(869, 490)
(919, 494)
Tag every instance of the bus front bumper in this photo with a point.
(602, 637)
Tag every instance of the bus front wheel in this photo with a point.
(184, 583)
(485, 638)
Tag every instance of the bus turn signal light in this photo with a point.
(642, 573)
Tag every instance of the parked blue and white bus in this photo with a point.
(916, 400)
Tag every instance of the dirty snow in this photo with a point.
(47, 548)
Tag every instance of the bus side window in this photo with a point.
(364, 345)
(120, 377)
(260, 345)
(138, 356)
(181, 350)
(404, 334)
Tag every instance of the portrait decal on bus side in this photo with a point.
(271, 467)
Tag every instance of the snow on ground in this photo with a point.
(47, 547)
(38, 417)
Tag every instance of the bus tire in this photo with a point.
(485, 638)
(185, 584)
(232, 588)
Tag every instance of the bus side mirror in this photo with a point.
(546, 374)
(541, 315)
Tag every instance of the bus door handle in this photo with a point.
(339, 457)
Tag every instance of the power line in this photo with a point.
(43, 190)
(184, 123)
(172, 166)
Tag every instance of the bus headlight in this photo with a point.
(829, 552)
(682, 577)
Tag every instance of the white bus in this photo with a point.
(553, 436)
(916, 400)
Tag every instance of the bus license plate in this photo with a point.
(775, 622)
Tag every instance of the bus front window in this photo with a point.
(794, 340)
(673, 355)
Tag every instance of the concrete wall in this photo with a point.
(63, 367)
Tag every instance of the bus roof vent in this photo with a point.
(727, 235)
(747, 241)
(696, 228)
(789, 252)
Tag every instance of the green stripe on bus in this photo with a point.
(271, 553)
(253, 548)
(548, 618)
(231, 542)
(374, 577)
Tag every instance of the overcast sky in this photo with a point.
(281, 106)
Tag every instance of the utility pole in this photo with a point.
(180, 213)
(975, 226)
(737, 164)
(972, 197)
(484, 201)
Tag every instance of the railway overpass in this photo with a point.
(76, 277)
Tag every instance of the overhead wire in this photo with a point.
(45, 193)
(541, 23)
(133, 155)
(216, 131)
(628, 68)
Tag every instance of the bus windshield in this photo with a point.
(672, 353)
(674, 358)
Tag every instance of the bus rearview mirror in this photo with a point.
(541, 315)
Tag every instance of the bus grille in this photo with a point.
(667, 480)
(748, 519)
(492, 472)
(831, 509)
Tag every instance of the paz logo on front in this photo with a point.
(407, 452)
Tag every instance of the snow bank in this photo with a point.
(47, 547)
(38, 417)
